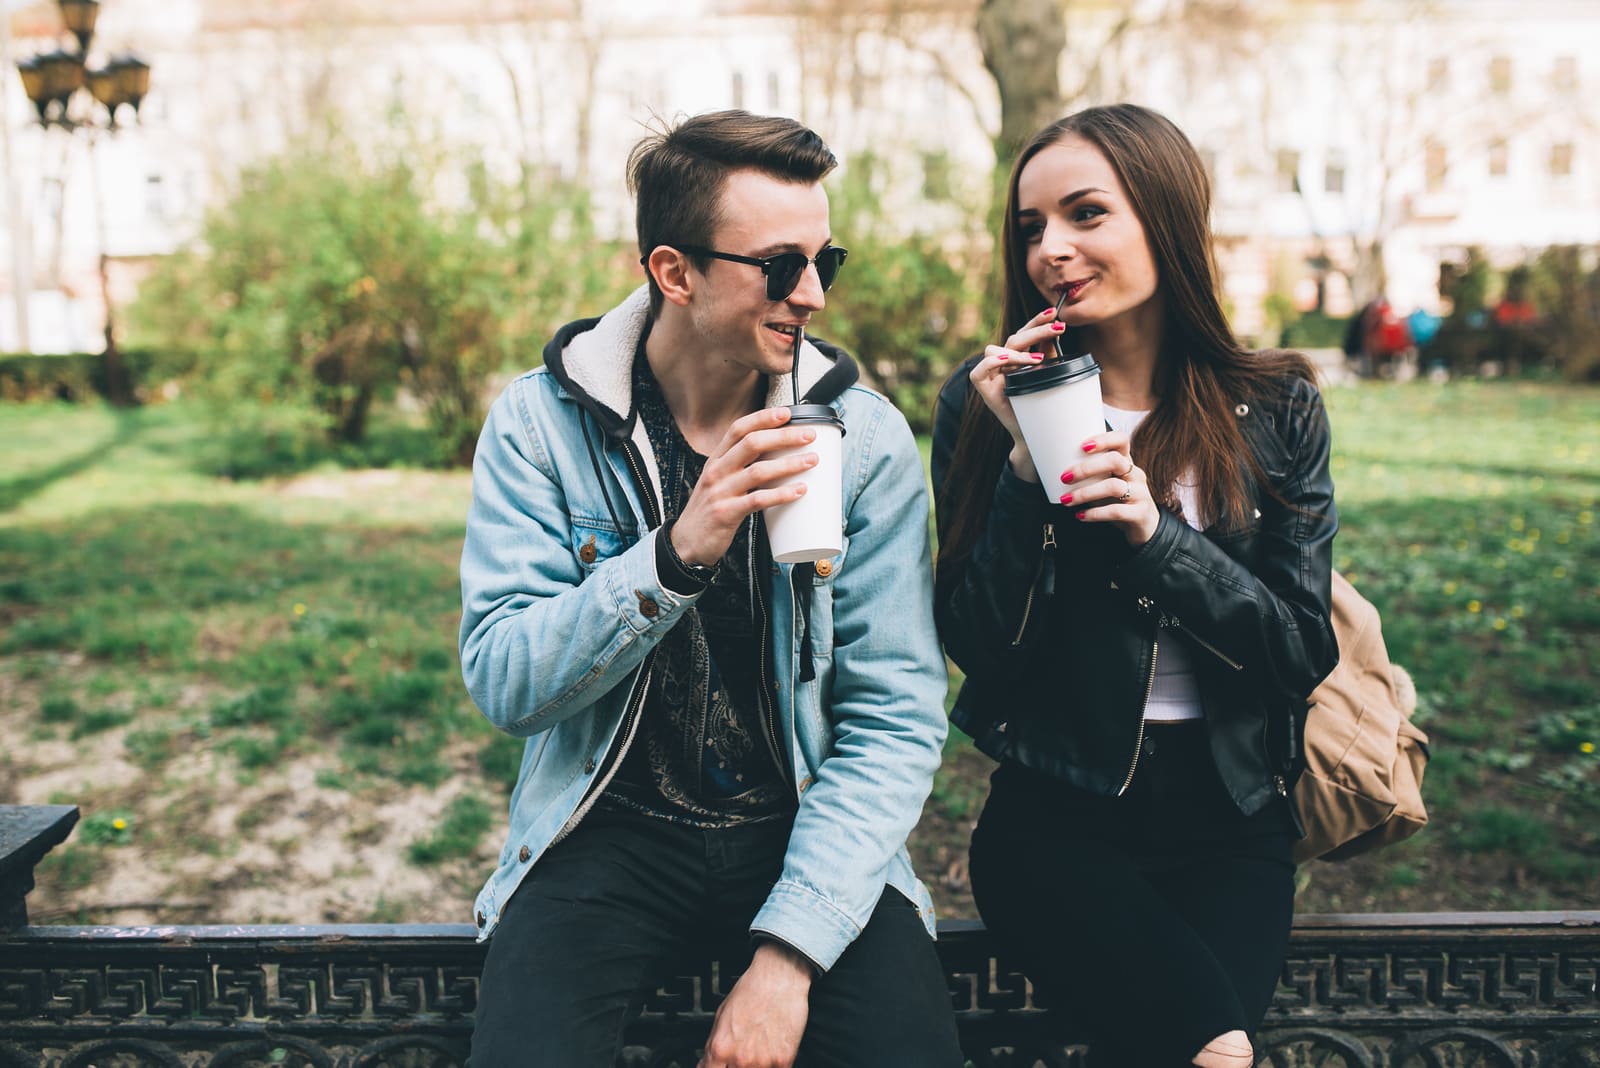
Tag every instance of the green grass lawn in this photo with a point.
(246, 677)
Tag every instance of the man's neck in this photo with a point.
(704, 396)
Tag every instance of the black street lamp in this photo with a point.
(52, 80)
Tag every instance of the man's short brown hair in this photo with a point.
(678, 174)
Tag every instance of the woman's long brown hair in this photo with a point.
(1202, 371)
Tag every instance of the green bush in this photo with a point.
(909, 307)
(337, 282)
(1315, 330)
(1567, 294)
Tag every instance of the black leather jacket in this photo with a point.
(1057, 624)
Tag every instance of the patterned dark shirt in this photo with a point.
(702, 755)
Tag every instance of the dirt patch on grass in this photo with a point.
(210, 842)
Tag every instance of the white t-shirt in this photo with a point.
(1175, 695)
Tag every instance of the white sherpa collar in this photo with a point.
(598, 363)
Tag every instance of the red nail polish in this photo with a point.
(1066, 498)
(1088, 446)
(1002, 356)
(1067, 477)
(1058, 327)
(1082, 516)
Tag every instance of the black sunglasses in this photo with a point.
(784, 270)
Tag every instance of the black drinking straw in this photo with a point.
(794, 369)
(1057, 318)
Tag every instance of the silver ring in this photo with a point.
(1127, 494)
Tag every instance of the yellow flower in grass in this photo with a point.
(1586, 748)
(299, 609)
(1558, 572)
(1499, 623)
(1517, 611)
(1450, 588)
(1474, 606)
(120, 824)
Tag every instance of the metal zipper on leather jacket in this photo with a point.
(769, 715)
(1027, 608)
(630, 716)
(1149, 688)
(1207, 646)
(1148, 606)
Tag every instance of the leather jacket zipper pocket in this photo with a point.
(1044, 579)
(1207, 646)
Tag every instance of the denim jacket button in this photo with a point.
(648, 608)
(824, 568)
(524, 853)
(482, 919)
(588, 766)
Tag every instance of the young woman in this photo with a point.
(1137, 656)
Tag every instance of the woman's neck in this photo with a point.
(1128, 350)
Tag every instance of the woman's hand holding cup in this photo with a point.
(1106, 486)
(989, 379)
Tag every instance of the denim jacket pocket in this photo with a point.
(594, 541)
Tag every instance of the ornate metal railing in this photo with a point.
(1500, 990)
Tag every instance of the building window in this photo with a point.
(738, 89)
(50, 197)
(1499, 158)
(774, 97)
(155, 198)
(1436, 166)
(1288, 178)
(1561, 160)
(1565, 75)
(1438, 74)
(1333, 177)
(1500, 75)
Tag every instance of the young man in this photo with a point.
(719, 747)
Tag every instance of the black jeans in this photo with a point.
(616, 907)
(1157, 920)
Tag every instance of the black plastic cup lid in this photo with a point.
(1049, 375)
(814, 413)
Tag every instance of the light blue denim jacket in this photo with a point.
(560, 612)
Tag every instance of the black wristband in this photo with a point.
(676, 575)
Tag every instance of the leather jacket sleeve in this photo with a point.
(985, 603)
(979, 602)
(1271, 620)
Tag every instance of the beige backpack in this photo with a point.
(1362, 787)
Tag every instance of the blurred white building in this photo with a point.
(1350, 140)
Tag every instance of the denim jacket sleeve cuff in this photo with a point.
(807, 922)
(642, 599)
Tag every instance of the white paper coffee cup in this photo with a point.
(1058, 408)
(811, 528)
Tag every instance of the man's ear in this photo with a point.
(673, 273)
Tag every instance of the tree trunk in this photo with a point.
(1022, 43)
